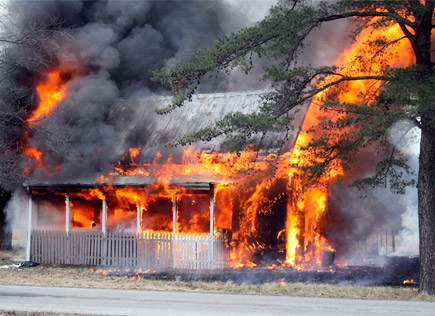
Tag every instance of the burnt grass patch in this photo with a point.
(393, 273)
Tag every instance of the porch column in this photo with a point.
(35, 215)
(29, 227)
(138, 216)
(211, 211)
(174, 214)
(104, 217)
(67, 214)
(211, 226)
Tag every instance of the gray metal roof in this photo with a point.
(201, 112)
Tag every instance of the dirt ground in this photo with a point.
(74, 276)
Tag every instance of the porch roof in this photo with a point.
(187, 182)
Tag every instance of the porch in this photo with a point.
(137, 248)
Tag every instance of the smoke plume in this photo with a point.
(108, 49)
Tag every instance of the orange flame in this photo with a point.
(134, 152)
(306, 207)
(50, 92)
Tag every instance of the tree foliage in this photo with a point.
(280, 38)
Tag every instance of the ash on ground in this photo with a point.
(398, 271)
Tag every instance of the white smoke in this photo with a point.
(17, 214)
(406, 137)
(254, 11)
(408, 245)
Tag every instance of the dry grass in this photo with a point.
(71, 276)
(14, 313)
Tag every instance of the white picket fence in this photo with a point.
(120, 249)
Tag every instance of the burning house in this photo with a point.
(166, 213)
(196, 209)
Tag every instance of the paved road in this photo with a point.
(128, 302)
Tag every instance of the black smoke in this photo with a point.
(362, 223)
(109, 48)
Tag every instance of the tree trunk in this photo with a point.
(426, 170)
(426, 209)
